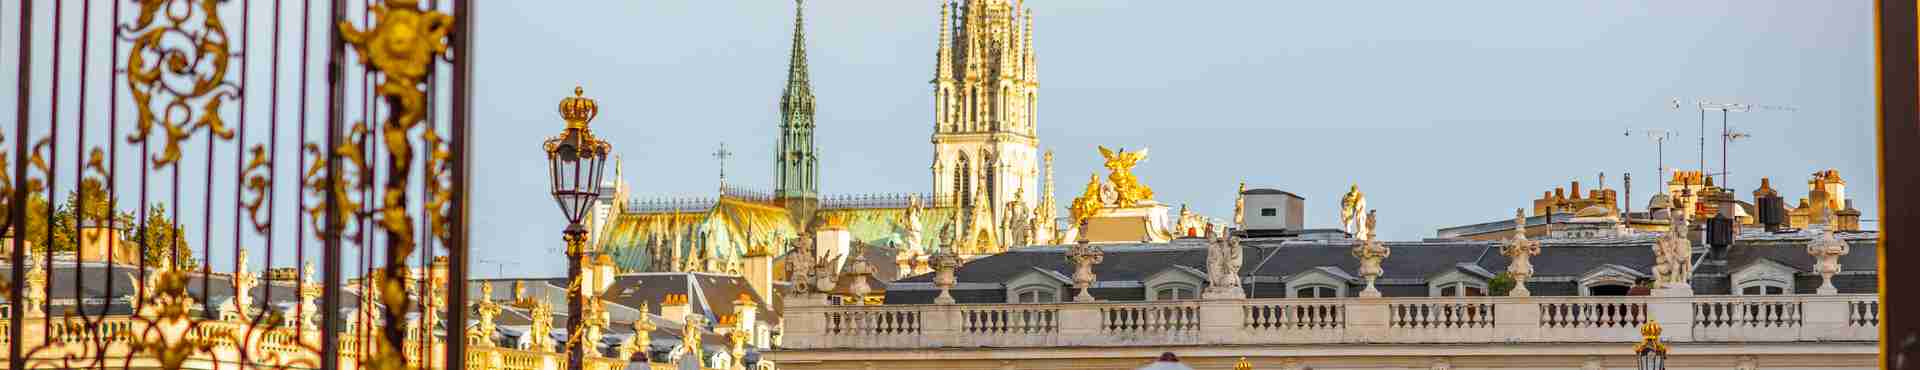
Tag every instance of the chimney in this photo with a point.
(675, 305)
(833, 241)
(1770, 206)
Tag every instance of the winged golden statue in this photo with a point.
(1120, 172)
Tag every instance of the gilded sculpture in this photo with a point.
(1089, 201)
(1128, 188)
(1353, 208)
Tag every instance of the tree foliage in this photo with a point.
(1500, 285)
(90, 206)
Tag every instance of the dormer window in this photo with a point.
(1609, 280)
(1463, 280)
(1174, 282)
(1173, 292)
(1462, 289)
(1036, 286)
(1319, 282)
(1037, 294)
(1316, 291)
(1763, 277)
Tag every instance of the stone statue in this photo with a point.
(1120, 170)
(36, 289)
(1520, 252)
(1826, 251)
(1083, 256)
(1371, 253)
(1223, 266)
(911, 224)
(1017, 228)
(1673, 255)
(1352, 207)
(800, 264)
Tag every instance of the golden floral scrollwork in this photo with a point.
(183, 64)
(315, 180)
(259, 179)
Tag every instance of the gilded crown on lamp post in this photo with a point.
(578, 110)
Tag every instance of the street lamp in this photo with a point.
(1652, 350)
(575, 161)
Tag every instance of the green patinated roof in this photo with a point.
(887, 226)
(730, 230)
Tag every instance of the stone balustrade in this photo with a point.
(1422, 320)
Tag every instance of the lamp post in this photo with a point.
(1651, 349)
(575, 161)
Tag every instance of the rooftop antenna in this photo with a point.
(1659, 137)
(1726, 134)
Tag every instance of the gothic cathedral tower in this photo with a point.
(985, 146)
(796, 165)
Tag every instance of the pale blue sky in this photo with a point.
(1445, 113)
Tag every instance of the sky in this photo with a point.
(1444, 113)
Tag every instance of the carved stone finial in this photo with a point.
(857, 273)
(1826, 251)
(1084, 255)
(944, 262)
(1371, 253)
(1520, 252)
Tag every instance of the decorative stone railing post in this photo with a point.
(1084, 255)
(1520, 252)
(1371, 252)
(1826, 252)
(944, 262)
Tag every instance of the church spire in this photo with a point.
(796, 166)
(799, 92)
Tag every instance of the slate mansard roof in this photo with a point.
(1272, 261)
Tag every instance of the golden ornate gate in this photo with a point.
(232, 184)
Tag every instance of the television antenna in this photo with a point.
(1726, 134)
(1659, 138)
(500, 267)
